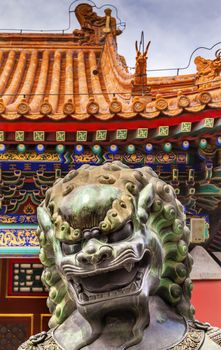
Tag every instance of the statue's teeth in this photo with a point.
(139, 275)
(128, 266)
(127, 289)
(83, 297)
(78, 287)
(133, 287)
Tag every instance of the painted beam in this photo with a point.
(183, 128)
(67, 126)
(19, 251)
(161, 132)
(18, 240)
(206, 124)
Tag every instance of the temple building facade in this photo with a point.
(68, 100)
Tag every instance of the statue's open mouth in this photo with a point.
(125, 280)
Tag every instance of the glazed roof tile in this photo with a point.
(57, 68)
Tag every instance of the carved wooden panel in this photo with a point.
(14, 330)
(21, 310)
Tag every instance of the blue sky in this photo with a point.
(175, 27)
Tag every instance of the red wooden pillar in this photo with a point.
(206, 298)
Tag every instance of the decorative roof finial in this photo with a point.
(107, 28)
(93, 27)
(140, 79)
(207, 69)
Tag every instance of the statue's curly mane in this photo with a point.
(166, 219)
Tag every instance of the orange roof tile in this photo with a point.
(50, 69)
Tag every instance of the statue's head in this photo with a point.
(110, 237)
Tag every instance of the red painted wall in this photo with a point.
(206, 298)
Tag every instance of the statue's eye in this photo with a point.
(68, 248)
(124, 233)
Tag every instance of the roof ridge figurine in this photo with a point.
(94, 28)
(208, 70)
(114, 245)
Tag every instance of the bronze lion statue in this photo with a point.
(114, 245)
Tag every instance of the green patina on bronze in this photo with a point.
(115, 201)
(114, 245)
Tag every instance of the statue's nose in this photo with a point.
(94, 253)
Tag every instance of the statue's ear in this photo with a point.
(145, 53)
(44, 220)
(136, 47)
(145, 201)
